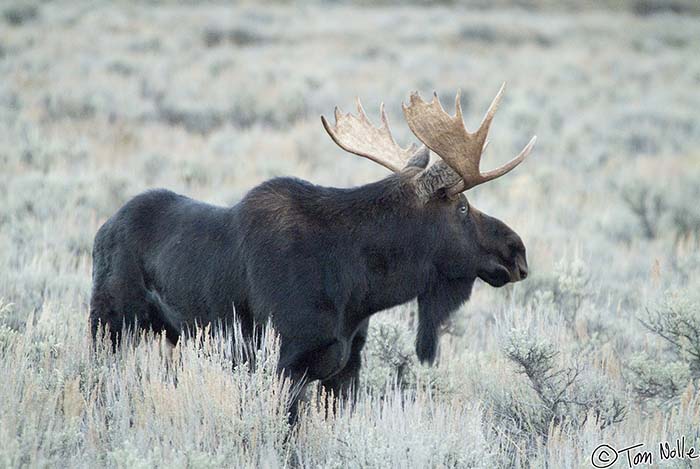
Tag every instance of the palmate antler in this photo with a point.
(357, 135)
(460, 151)
(449, 139)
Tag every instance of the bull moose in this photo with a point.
(316, 261)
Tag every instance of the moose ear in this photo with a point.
(420, 158)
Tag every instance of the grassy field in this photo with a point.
(601, 345)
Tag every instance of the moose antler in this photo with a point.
(357, 135)
(450, 140)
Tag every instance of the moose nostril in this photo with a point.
(523, 273)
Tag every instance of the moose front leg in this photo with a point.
(303, 364)
(298, 384)
(344, 384)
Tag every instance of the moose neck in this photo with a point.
(394, 241)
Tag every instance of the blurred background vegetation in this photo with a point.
(100, 101)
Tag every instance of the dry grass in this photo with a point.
(99, 102)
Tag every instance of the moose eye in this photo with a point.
(463, 209)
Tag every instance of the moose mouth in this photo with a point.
(500, 275)
(496, 277)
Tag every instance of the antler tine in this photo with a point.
(385, 120)
(361, 110)
(458, 105)
(495, 173)
(357, 135)
(491, 112)
(448, 137)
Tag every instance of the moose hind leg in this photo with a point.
(128, 314)
(120, 301)
(103, 319)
